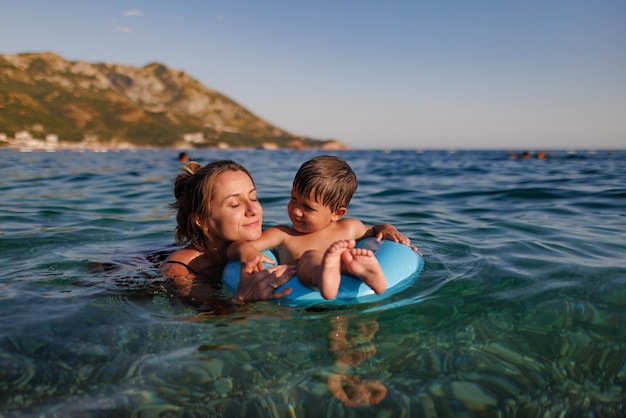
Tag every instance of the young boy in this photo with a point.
(320, 241)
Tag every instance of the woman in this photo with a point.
(215, 205)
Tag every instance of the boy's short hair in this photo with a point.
(327, 178)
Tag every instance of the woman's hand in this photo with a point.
(261, 285)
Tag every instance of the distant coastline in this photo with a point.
(52, 103)
(25, 141)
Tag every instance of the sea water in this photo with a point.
(520, 309)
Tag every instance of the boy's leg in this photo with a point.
(323, 270)
(330, 268)
(363, 263)
(309, 267)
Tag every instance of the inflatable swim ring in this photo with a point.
(400, 264)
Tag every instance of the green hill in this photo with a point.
(44, 95)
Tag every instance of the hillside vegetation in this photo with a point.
(77, 102)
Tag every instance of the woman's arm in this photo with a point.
(195, 283)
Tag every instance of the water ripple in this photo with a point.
(519, 310)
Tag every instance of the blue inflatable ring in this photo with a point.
(400, 264)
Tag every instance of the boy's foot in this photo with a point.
(363, 263)
(331, 268)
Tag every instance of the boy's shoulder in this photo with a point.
(350, 227)
(347, 222)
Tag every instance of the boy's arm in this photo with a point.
(246, 251)
(390, 232)
(382, 231)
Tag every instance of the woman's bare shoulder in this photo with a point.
(181, 262)
(184, 255)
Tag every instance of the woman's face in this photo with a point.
(236, 212)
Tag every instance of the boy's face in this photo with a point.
(307, 215)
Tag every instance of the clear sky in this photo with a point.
(420, 74)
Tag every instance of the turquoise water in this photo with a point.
(519, 311)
